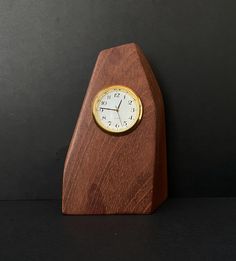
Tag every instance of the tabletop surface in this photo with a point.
(181, 229)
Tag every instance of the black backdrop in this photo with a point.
(47, 53)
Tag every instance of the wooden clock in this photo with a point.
(116, 162)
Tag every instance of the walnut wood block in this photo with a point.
(118, 174)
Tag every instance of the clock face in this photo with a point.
(117, 109)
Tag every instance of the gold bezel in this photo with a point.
(101, 93)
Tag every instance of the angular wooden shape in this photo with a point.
(118, 174)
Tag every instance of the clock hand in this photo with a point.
(119, 118)
(118, 112)
(107, 109)
(119, 104)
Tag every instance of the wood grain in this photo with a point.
(118, 174)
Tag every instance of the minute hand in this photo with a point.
(110, 109)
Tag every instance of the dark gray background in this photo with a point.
(47, 53)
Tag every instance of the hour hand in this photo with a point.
(118, 107)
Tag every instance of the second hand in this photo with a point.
(118, 112)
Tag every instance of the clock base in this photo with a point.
(118, 174)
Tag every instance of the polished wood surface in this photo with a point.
(118, 174)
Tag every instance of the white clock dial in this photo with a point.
(117, 109)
